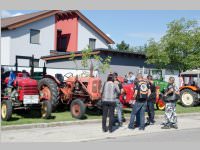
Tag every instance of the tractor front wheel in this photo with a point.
(46, 109)
(78, 109)
(6, 110)
(188, 98)
(160, 105)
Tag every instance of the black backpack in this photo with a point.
(142, 90)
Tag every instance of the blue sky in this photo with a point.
(133, 26)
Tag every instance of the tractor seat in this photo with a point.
(59, 77)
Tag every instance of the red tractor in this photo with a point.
(128, 92)
(76, 92)
(22, 94)
(127, 96)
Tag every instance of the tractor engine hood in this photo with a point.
(20, 81)
(25, 82)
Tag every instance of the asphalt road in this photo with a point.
(183, 136)
(189, 130)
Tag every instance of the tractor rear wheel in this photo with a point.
(78, 109)
(49, 89)
(6, 110)
(46, 109)
(189, 98)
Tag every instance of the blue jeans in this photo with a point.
(119, 110)
(138, 108)
(150, 110)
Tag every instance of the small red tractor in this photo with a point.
(23, 93)
(76, 92)
(128, 92)
(127, 96)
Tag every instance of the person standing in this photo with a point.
(118, 103)
(131, 78)
(110, 90)
(171, 96)
(142, 92)
(151, 100)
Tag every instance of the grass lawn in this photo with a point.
(65, 115)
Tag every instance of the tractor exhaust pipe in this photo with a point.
(32, 66)
(44, 69)
(91, 69)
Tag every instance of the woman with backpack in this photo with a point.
(171, 96)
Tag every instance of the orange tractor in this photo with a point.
(190, 88)
(76, 92)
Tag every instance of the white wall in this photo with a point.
(5, 50)
(84, 33)
(20, 40)
(53, 71)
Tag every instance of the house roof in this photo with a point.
(11, 23)
(66, 55)
(191, 72)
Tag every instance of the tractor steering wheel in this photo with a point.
(85, 74)
(69, 74)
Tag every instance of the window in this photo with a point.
(62, 42)
(34, 36)
(92, 43)
(35, 63)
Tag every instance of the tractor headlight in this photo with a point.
(124, 97)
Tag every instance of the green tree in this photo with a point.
(179, 48)
(138, 49)
(72, 57)
(102, 64)
(123, 46)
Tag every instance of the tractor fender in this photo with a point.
(53, 78)
(193, 88)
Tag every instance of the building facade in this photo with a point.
(41, 32)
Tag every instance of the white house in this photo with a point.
(52, 31)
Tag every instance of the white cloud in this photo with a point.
(108, 35)
(17, 14)
(5, 14)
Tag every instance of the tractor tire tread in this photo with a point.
(9, 110)
(194, 95)
(53, 88)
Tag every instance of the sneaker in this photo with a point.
(132, 128)
(175, 126)
(141, 128)
(105, 130)
(151, 123)
(147, 123)
(110, 131)
(166, 127)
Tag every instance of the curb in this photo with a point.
(79, 122)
